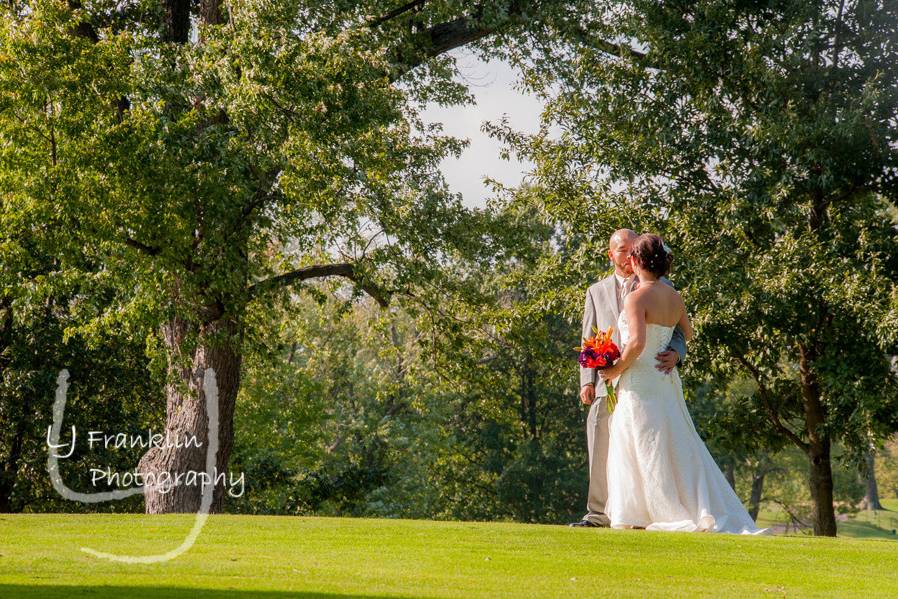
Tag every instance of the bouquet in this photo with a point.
(599, 351)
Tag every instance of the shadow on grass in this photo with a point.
(13, 591)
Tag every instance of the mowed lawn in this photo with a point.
(273, 557)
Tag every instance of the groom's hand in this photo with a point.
(588, 394)
(667, 360)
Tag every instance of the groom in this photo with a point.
(604, 302)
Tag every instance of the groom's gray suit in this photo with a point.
(603, 306)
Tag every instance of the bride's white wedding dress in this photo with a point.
(660, 474)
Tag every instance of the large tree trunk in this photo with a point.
(871, 498)
(818, 448)
(821, 481)
(186, 419)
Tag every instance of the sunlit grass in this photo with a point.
(246, 556)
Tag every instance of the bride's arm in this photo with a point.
(635, 343)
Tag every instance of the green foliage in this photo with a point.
(333, 414)
(190, 170)
(180, 173)
(727, 414)
(147, 179)
(193, 170)
(787, 495)
(513, 417)
(758, 140)
(111, 388)
(465, 408)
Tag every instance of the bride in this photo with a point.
(660, 474)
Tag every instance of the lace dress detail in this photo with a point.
(660, 474)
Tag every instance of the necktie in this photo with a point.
(629, 285)
(622, 293)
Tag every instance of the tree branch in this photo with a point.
(454, 34)
(396, 12)
(796, 521)
(837, 37)
(764, 394)
(443, 37)
(340, 269)
(620, 50)
(138, 245)
(6, 323)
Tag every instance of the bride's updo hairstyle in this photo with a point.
(652, 254)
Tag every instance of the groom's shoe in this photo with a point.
(603, 522)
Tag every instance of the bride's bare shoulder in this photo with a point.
(638, 295)
(669, 288)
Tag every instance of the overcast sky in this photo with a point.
(492, 83)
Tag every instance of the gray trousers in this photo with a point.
(597, 444)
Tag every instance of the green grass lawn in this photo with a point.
(274, 557)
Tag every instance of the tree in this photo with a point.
(760, 141)
(215, 166)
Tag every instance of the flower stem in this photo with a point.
(611, 400)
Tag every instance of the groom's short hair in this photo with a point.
(620, 234)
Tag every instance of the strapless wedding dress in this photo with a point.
(660, 474)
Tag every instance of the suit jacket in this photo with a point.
(600, 311)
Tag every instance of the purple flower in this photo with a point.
(586, 356)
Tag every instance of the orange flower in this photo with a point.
(600, 351)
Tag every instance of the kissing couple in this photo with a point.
(648, 467)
